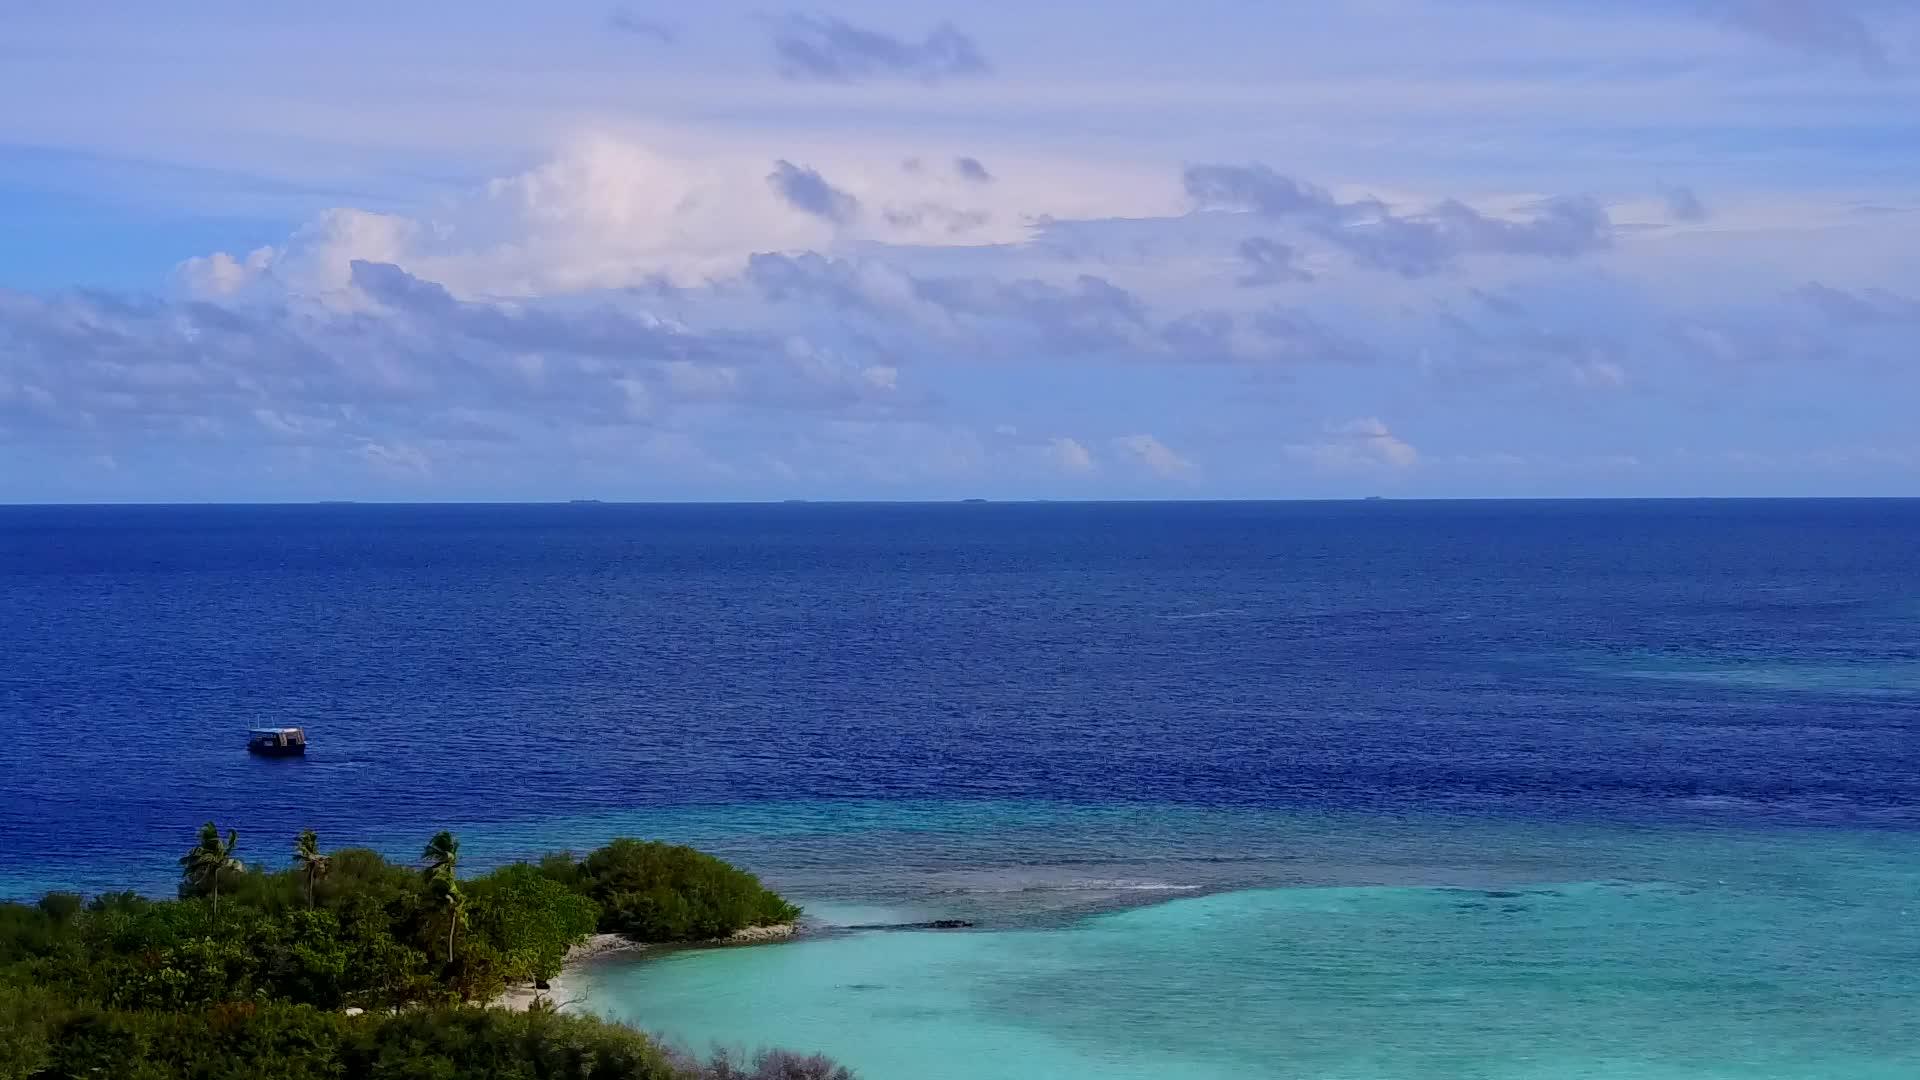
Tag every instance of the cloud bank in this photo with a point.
(751, 326)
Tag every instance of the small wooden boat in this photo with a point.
(277, 741)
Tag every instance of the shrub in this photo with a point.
(232, 1042)
(357, 874)
(61, 907)
(25, 931)
(765, 1065)
(651, 891)
(28, 1016)
(304, 958)
(529, 919)
(488, 1044)
(294, 1042)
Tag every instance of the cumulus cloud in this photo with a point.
(1412, 245)
(611, 212)
(1154, 456)
(1088, 314)
(822, 48)
(533, 314)
(221, 274)
(614, 214)
(316, 259)
(606, 213)
(1359, 444)
(808, 191)
(1085, 316)
(1069, 455)
(409, 365)
(655, 297)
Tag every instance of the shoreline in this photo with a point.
(598, 947)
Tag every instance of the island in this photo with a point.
(345, 964)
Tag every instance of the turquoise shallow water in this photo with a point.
(1704, 952)
(1153, 940)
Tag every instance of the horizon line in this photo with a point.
(959, 501)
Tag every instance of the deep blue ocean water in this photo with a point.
(1371, 789)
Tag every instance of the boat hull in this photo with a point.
(277, 751)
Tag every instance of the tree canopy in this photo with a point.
(248, 972)
(650, 891)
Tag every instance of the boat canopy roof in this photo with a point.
(273, 731)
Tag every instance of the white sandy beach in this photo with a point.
(563, 993)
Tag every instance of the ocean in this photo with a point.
(1341, 791)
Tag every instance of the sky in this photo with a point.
(489, 251)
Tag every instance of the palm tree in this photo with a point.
(210, 858)
(450, 896)
(442, 859)
(306, 856)
(441, 856)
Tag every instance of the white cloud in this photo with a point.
(605, 214)
(533, 308)
(1363, 443)
(611, 212)
(1155, 456)
(1068, 455)
(220, 274)
(397, 460)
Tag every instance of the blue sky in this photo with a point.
(1214, 249)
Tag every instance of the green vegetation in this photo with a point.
(252, 972)
(209, 859)
(442, 858)
(309, 861)
(661, 892)
(297, 1042)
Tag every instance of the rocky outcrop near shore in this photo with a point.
(758, 935)
(597, 946)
